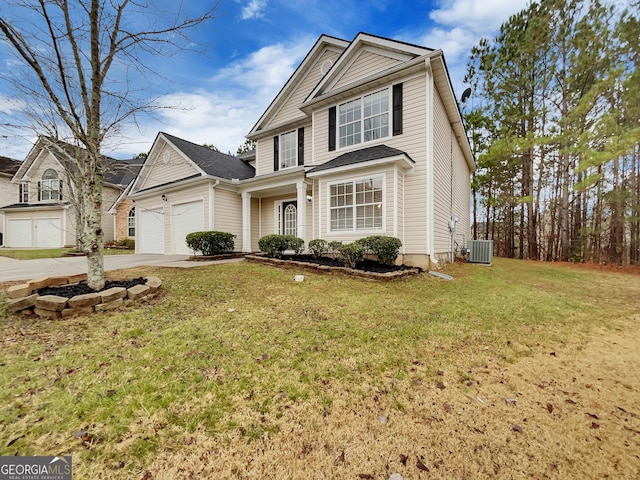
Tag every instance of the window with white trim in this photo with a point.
(356, 205)
(288, 150)
(131, 223)
(23, 193)
(364, 119)
(50, 186)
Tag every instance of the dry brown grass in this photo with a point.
(523, 370)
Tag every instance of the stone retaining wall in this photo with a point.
(385, 277)
(24, 298)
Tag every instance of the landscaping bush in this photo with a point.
(352, 254)
(274, 245)
(318, 247)
(386, 249)
(334, 250)
(210, 243)
(128, 243)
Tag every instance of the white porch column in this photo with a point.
(301, 189)
(246, 222)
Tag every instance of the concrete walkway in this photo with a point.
(12, 269)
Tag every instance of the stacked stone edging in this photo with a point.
(24, 298)
(384, 277)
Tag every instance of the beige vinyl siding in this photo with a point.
(44, 162)
(366, 63)
(9, 195)
(109, 196)
(412, 141)
(452, 188)
(256, 230)
(228, 214)
(264, 163)
(291, 108)
(160, 173)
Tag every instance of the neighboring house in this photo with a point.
(8, 191)
(182, 188)
(43, 213)
(365, 138)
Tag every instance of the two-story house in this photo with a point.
(43, 213)
(8, 191)
(365, 138)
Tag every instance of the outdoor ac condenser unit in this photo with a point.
(480, 251)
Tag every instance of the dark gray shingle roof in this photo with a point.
(368, 154)
(213, 163)
(9, 165)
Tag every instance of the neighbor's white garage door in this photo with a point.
(18, 233)
(185, 218)
(151, 231)
(49, 233)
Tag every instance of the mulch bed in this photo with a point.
(69, 291)
(365, 266)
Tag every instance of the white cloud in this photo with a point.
(481, 16)
(227, 106)
(255, 9)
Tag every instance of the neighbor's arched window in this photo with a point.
(50, 186)
(131, 223)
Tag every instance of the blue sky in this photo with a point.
(252, 48)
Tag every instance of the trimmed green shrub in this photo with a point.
(318, 247)
(127, 242)
(352, 254)
(274, 245)
(210, 243)
(334, 250)
(386, 249)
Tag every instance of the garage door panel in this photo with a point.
(186, 218)
(19, 233)
(151, 231)
(49, 233)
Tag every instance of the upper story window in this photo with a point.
(131, 223)
(364, 119)
(23, 193)
(288, 150)
(50, 187)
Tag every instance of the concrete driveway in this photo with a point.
(11, 269)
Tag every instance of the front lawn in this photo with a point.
(519, 370)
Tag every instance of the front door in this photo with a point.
(289, 223)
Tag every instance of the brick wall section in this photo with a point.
(122, 215)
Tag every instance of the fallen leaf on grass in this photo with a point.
(447, 407)
(595, 425)
(593, 415)
(570, 402)
(510, 401)
(422, 466)
(340, 458)
(366, 476)
(403, 459)
(517, 428)
(550, 407)
(441, 385)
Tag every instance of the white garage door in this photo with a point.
(151, 231)
(49, 233)
(186, 218)
(18, 233)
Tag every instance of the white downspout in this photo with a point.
(430, 164)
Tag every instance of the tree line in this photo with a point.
(554, 119)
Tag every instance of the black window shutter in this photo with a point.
(39, 191)
(301, 146)
(60, 190)
(397, 109)
(332, 129)
(276, 151)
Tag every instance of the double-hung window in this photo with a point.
(23, 193)
(356, 205)
(288, 150)
(364, 119)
